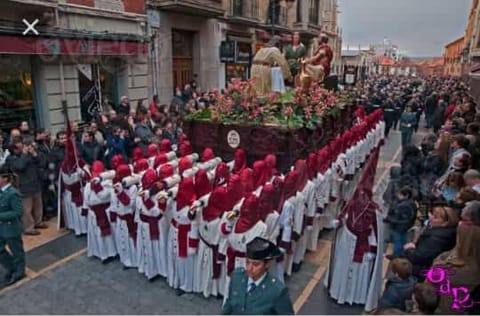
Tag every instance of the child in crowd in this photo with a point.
(399, 287)
(402, 219)
(425, 299)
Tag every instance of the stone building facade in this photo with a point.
(87, 54)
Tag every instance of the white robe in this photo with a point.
(151, 254)
(181, 270)
(310, 212)
(286, 226)
(75, 221)
(352, 282)
(99, 246)
(126, 246)
(204, 281)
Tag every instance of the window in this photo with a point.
(236, 7)
(299, 11)
(313, 14)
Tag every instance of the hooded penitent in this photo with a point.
(239, 161)
(183, 165)
(137, 154)
(152, 150)
(246, 177)
(260, 173)
(222, 174)
(361, 220)
(202, 183)
(265, 205)
(159, 160)
(207, 154)
(186, 193)
(185, 149)
(290, 184)
(271, 161)
(248, 214)
(140, 165)
(312, 165)
(97, 168)
(116, 161)
(122, 171)
(301, 169)
(165, 146)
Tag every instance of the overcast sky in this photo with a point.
(420, 27)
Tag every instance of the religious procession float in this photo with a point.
(289, 124)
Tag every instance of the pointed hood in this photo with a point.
(140, 165)
(165, 146)
(239, 161)
(202, 183)
(186, 193)
(222, 174)
(248, 214)
(207, 154)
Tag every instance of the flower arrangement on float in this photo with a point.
(296, 108)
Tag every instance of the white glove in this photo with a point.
(370, 256)
(97, 180)
(334, 223)
(79, 171)
(192, 251)
(146, 195)
(197, 203)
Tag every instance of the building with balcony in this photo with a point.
(453, 56)
(185, 44)
(87, 54)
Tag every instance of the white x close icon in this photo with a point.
(30, 27)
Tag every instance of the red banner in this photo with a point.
(10, 44)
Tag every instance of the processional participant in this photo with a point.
(318, 66)
(294, 53)
(253, 290)
(100, 239)
(269, 68)
(355, 270)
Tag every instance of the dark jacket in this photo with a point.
(91, 151)
(116, 146)
(403, 216)
(10, 213)
(27, 169)
(390, 194)
(123, 109)
(145, 134)
(439, 115)
(432, 242)
(397, 291)
(270, 297)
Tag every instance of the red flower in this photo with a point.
(288, 111)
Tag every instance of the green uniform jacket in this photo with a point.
(292, 55)
(407, 121)
(269, 298)
(10, 213)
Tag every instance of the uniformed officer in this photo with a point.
(254, 290)
(11, 229)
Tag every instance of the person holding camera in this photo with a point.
(13, 259)
(25, 162)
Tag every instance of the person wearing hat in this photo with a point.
(254, 290)
(11, 229)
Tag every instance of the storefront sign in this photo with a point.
(244, 51)
(350, 75)
(233, 139)
(10, 44)
(227, 51)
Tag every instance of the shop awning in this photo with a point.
(11, 44)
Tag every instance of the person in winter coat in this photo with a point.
(402, 219)
(439, 115)
(437, 237)
(408, 119)
(90, 150)
(399, 287)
